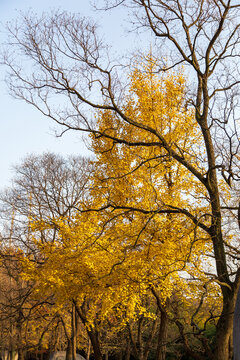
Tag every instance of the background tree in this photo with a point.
(25, 320)
(45, 187)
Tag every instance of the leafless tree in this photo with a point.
(70, 64)
(21, 314)
(44, 187)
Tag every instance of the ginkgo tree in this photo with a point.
(152, 192)
(121, 243)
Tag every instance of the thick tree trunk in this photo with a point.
(95, 345)
(224, 331)
(13, 354)
(162, 333)
(162, 336)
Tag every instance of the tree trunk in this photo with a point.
(13, 354)
(19, 336)
(162, 336)
(20, 354)
(74, 332)
(95, 344)
(69, 350)
(224, 331)
(128, 351)
(137, 345)
(92, 333)
(88, 349)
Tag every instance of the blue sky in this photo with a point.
(22, 129)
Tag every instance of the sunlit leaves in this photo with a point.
(136, 238)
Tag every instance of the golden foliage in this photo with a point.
(140, 239)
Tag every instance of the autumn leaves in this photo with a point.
(129, 237)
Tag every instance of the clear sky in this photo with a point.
(22, 129)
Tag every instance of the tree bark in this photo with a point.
(89, 349)
(69, 350)
(128, 351)
(74, 332)
(224, 331)
(162, 336)
(93, 335)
